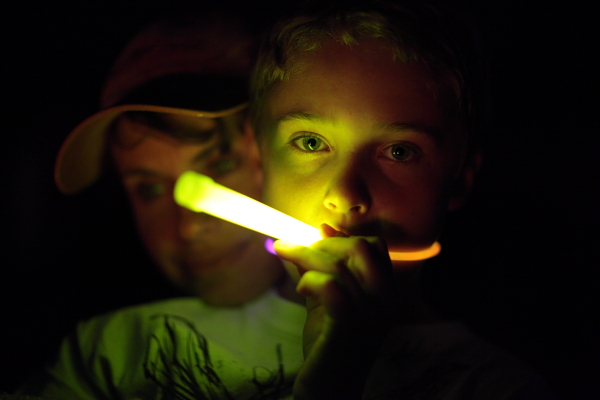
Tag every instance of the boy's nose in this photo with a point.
(348, 192)
(190, 223)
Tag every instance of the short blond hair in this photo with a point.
(416, 33)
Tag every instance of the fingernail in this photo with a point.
(282, 245)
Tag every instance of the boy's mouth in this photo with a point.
(378, 228)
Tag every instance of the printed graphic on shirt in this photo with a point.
(183, 365)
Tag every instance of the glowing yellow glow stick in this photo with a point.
(201, 194)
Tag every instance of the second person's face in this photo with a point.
(204, 255)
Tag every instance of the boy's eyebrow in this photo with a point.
(302, 115)
(400, 127)
(202, 154)
(433, 132)
(206, 152)
(140, 171)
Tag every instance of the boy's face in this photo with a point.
(204, 255)
(357, 141)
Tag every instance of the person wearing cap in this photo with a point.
(175, 101)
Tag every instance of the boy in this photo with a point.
(365, 119)
(175, 101)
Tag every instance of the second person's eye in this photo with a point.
(401, 152)
(149, 191)
(223, 166)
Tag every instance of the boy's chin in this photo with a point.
(406, 266)
(411, 243)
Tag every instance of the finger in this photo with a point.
(313, 259)
(324, 289)
(360, 266)
(306, 258)
(365, 257)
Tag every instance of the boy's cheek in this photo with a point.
(280, 188)
(290, 196)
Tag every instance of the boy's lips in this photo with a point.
(370, 228)
(394, 235)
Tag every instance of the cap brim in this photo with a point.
(79, 161)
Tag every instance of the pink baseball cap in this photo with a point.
(193, 66)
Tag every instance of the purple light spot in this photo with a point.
(269, 246)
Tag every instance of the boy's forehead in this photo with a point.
(137, 140)
(201, 124)
(175, 128)
(359, 82)
(140, 149)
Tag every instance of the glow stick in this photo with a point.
(200, 193)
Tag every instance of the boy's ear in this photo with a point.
(249, 130)
(464, 181)
(250, 140)
(251, 144)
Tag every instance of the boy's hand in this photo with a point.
(349, 288)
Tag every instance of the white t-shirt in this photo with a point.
(182, 349)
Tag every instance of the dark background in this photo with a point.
(528, 271)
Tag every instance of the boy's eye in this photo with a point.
(149, 191)
(401, 152)
(309, 143)
(222, 166)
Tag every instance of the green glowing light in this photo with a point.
(200, 193)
